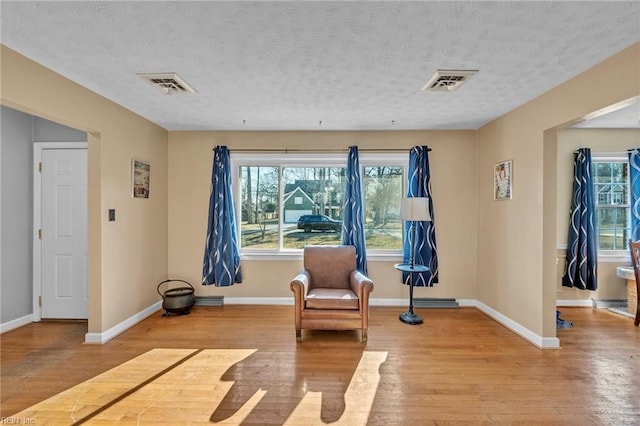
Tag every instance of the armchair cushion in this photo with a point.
(329, 266)
(331, 298)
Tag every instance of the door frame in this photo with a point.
(38, 147)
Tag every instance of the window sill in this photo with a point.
(621, 256)
(271, 256)
(614, 258)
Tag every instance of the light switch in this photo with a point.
(112, 215)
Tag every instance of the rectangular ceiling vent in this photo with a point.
(448, 80)
(168, 83)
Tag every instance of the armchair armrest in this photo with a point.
(299, 285)
(362, 286)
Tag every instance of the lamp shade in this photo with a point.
(415, 209)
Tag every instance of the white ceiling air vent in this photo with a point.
(168, 83)
(448, 80)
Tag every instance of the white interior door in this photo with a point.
(64, 234)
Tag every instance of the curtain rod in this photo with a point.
(287, 150)
(611, 153)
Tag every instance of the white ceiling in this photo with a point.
(319, 65)
(626, 117)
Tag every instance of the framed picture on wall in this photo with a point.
(140, 178)
(503, 180)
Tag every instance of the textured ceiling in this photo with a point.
(626, 117)
(319, 65)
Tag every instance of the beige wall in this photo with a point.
(610, 286)
(517, 239)
(127, 258)
(503, 253)
(453, 174)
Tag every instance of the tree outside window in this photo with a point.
(383, 195)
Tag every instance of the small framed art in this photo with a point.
(140, 178)
(503, 180)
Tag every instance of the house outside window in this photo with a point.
(272, 193)
(612, 203)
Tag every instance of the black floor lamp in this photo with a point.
(413, 209)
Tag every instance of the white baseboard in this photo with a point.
(18, 322)
(539, 341)
(583, 303)
(467, 303)
(102, 338)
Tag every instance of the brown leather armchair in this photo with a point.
(329, 293)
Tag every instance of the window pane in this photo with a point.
(382, 187)
(259, 222)
(612, 227)
(611, 184)
(318, 220)
(622, 217)
(619, 194)
(611, 193)
(603, 194)
(623, 227)
(619, 240)
(605, 239)
(602, 172)
(619, 172)
(605, 217)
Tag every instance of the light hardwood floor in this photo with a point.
(241, 365)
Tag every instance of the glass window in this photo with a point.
(383, 194)
(287, 202)
(259, 207)
(611, 190)
(323, 188)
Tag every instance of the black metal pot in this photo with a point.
(178, 300)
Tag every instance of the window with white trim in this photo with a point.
(612, 204)
(284, 202)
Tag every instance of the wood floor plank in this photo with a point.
(459, 367)
(85, 398)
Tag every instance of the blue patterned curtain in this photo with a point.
(581, 268)
(426, 252)
(634, 179)
(221, 255)
(353, 216)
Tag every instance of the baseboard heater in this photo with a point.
(210, 300)
(430, 302)
(609, 303)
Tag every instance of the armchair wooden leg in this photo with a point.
(298, 336)
(364, 335)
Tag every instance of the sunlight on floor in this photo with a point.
(179, 386)
(358, 397)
